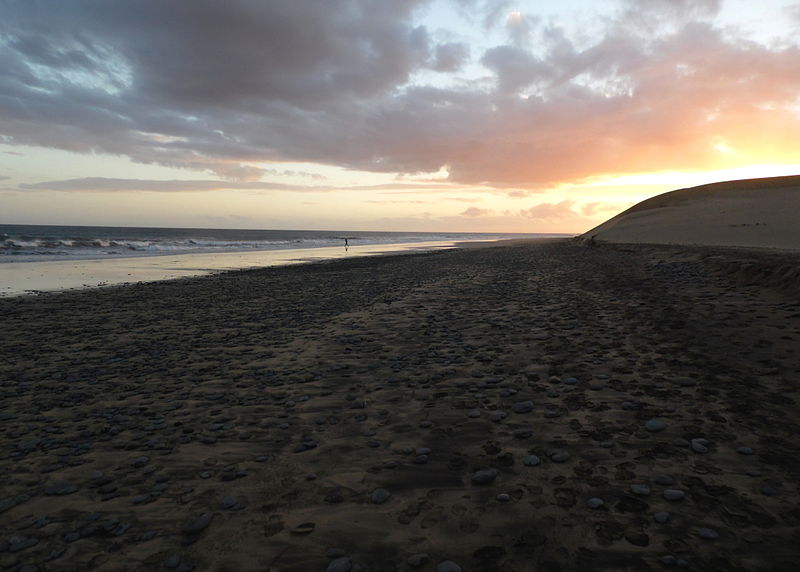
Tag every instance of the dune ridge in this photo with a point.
(753, 213)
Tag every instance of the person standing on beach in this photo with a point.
(345, 244)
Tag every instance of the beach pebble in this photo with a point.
(197, 524)
(498, 416)
(699, 445)
(595, 503)
(674, 494)
(669, 560)
(661, 517)
(531, 460)
(571, 381)
(423, 451)
(448, 566)
(484, 476)
(640, 489)
(522, 407)
(417, 560)
(664, 480)
(60, 489)
(769, 490)
(474, 413)
(596, 385)
(744, 451)
(503, 497)
(559, 456)
(143, 499)
(523, 433)
(17, 543)
(227, 503)
(72, 536)
(708, 533)
(305, 528)
(139, 462)
(343, 564)
(655, 425)
(379, 496)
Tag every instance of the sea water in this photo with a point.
(46, 258)
(23, 243)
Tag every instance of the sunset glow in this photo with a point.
(471, 115)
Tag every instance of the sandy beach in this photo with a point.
(541, 406)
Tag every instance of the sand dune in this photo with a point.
(761, 213)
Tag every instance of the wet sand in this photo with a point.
(32, 276)
(540, 406)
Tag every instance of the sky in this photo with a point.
(408, 115)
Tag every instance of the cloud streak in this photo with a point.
(105, 184)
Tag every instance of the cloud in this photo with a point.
(475, 211)
(590, 209)
(105, 184)
(208, 86)
(682, 10)
(793, 11)
(550, 211)
(517, 194)
(4, 177)
(450, 57)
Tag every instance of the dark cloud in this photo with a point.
(4, 178)
(450, 57)
(516, 68)
(212, 86)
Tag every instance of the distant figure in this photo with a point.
(345, 244)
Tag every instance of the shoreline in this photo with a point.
(37, 278)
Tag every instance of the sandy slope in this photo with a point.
(752, 213)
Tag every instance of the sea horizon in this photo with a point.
(48, 258)
(40, 243)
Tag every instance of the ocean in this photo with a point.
(37, 259)
(28, 243)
